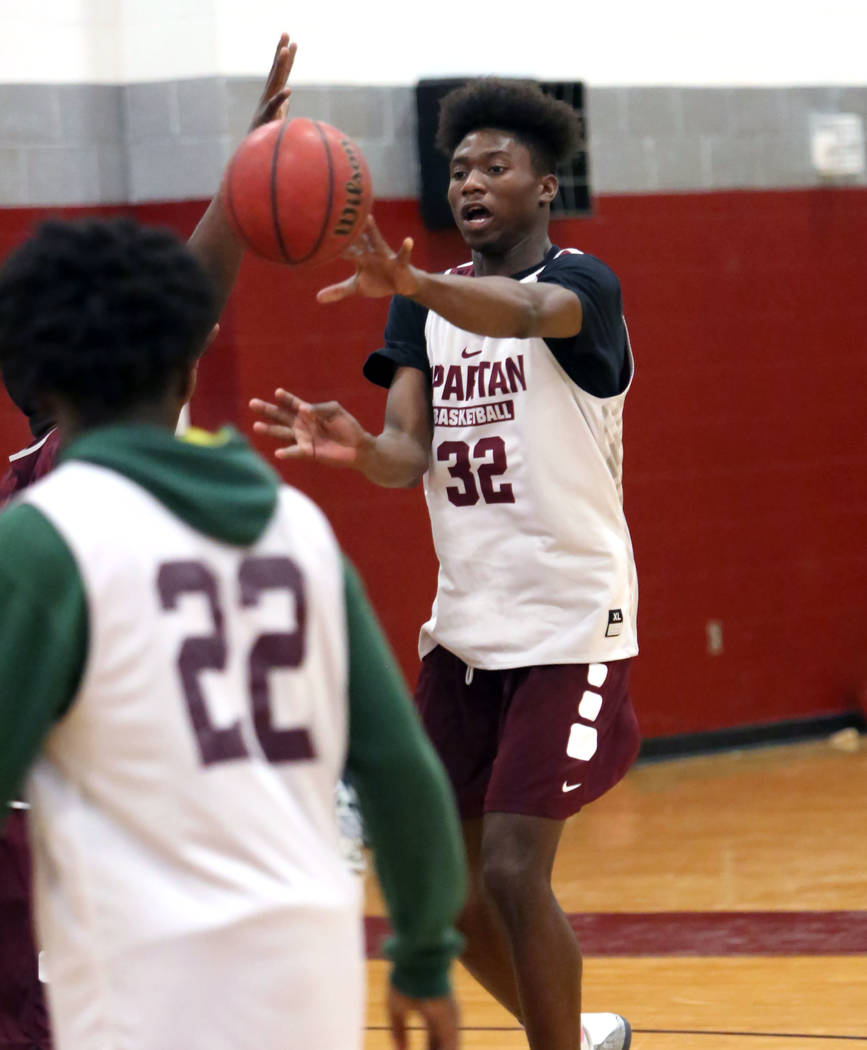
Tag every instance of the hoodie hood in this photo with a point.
(214, 482)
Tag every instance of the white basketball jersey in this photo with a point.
(183, 807)
(525, 500)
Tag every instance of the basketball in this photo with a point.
(297, 192)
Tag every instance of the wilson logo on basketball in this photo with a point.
(354, 187)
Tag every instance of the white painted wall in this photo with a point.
(604, 42)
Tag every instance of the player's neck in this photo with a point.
(72, 425)
(520, 256)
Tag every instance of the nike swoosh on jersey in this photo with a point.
(475, 353)
(570, 787)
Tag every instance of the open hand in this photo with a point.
(325, 432)
(274, 101)
(378, 270)
(440, 1018)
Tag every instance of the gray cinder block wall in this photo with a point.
(98, 144)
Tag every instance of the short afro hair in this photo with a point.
(550, 129)
(104, 313)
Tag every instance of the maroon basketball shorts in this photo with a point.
(23, 1014)
(542, 741)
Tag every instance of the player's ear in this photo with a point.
(190, 385)
(548, 189)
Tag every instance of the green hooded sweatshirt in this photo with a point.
(219, 486)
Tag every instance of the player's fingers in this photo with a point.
(263, 408)
(295, 452)
(334, 292)
(283, 67)
(274, 107)
(281, 43)
(275, 431)
(324, 411)
(374, 237)
(355, 250)
(273, 413)
(405, 251)
(290, 61)
(291, 403)
(277, 63)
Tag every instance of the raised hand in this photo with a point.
(274, 101)
(213, 241)
(324, 432)
(379, 271)
(440, 1017)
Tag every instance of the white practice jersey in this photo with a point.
(184, 805)
(526, 506)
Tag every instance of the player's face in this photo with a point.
(496, 197)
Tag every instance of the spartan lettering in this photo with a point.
(482, 380)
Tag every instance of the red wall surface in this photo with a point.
(745, 471)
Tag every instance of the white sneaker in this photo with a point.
(607, 1031)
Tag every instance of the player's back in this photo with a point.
(183, 805)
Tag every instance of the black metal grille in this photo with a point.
(574, 176)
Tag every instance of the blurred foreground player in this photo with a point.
(23, 1017)
(506, 380)
(183, 652)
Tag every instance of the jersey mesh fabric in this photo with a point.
(524, 487)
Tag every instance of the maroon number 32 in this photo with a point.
(488, 462)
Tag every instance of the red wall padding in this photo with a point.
(746, 468)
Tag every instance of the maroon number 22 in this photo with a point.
(210, 652)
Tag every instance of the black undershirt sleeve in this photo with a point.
(595, 358)
(405, 343)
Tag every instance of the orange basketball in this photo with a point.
(297, 191)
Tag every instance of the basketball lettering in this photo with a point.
(354, 192)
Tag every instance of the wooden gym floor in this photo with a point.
(721, 902)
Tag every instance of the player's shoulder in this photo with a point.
(586, 275)
(564, 260)
(466, 269)
(301, 528)
(29, 464)
(305, 515)
(291, 500)
(32, 549)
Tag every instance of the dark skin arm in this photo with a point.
(496, 306)
(213, 241)
(396, 458)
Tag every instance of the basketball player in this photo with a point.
(506, 379)
(183, 652)
(23, 1017)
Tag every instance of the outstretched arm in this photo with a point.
(213, 241)
(494, 306)
(326, 432)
